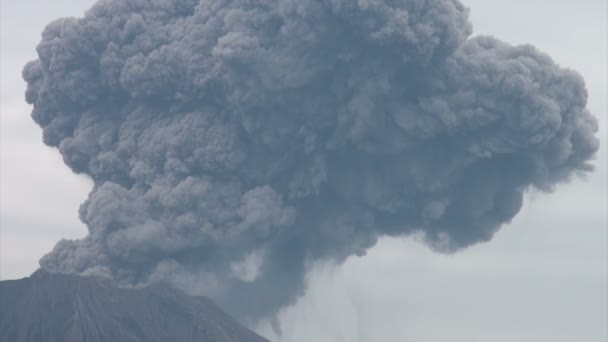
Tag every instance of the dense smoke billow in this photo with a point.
(233, 143)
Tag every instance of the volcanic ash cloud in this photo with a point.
(234, 143)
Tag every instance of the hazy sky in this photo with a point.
(542, 278)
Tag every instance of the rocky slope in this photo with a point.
(69, 308)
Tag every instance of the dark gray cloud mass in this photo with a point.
(233, 143)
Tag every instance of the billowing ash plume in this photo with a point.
(233, 143)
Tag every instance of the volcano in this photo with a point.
(55, 307)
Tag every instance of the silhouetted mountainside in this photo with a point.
(68, 308)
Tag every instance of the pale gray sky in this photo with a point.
(542, 278)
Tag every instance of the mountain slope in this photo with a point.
(69, 308)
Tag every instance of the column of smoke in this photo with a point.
(233, 143)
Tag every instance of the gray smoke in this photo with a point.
(233, 143)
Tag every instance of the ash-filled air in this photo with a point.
(234, 143)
